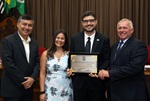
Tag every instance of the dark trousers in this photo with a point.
(88, 89)
(22, 98)
(95, 96)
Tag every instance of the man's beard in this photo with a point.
(89, 30)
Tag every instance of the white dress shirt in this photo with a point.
(26, 46)
(86, 39)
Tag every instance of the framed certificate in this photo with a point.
(84, 62)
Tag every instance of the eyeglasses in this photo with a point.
(90, 20)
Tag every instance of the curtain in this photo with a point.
(51, 15)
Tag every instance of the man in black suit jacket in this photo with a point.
(21, 62)
(86, 87)
(127, 80)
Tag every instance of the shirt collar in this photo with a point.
(124, 40)
(92, 36)
(28, 38)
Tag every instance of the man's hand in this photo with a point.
(28, 83)
(103, 74)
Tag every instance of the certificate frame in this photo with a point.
(84, 62)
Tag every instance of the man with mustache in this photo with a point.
(86, 86)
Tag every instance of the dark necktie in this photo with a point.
(88, 45)
(118, 48)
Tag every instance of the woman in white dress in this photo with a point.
(55, 84)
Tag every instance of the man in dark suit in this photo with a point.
(21, 62)
(86, 87)
(126, 74)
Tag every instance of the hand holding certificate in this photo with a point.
(84, 62)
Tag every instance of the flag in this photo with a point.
(19, 4)
(1, 6)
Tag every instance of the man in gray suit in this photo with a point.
(127, 60)
(21, 62)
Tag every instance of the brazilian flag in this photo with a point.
(19, 4)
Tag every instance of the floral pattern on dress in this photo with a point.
(58, 85)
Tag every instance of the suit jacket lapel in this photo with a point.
(96, 42)
(82, 46)
(113, 53)
(31, 51)
(122, 49)
(20, 44)
(115, 56)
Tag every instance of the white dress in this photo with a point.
(58, 85)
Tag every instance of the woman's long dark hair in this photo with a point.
(52, 49)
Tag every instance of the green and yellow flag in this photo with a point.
(19, 4)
